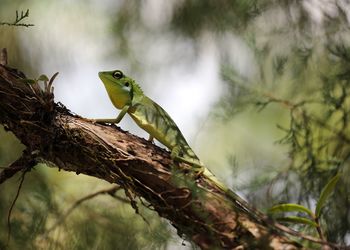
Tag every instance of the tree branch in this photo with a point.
(196, 207)
(24, 162)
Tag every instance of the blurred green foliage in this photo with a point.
(195, 16)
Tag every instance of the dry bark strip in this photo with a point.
(195, 206)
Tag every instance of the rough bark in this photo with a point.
(194, 205)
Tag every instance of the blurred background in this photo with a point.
(258, 88)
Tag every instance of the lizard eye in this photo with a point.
(117, 74)
(127, 84)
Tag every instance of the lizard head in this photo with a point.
(118, 86)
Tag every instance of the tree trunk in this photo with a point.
(194, 205)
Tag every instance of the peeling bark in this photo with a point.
(193, 205)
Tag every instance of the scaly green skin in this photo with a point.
(127, 95)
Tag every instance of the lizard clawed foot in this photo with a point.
(94, 121)
(150, 138)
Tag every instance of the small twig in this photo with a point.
(307, 237)
(118, 198)
(319, 229)
(50, 89)
(19, 19)
(12, 206)
(8, 172)
(15, 167)
(59, 221)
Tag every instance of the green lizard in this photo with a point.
(128, 96)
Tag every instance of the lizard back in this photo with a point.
(156, 121)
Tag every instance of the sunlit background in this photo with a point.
(212, 65)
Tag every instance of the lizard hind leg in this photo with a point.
(197, 167)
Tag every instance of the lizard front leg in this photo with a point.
(116, 120)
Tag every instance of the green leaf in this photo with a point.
(298, 220)
(43, 78)
(326, 192)
(290, 207)
(29, 81)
